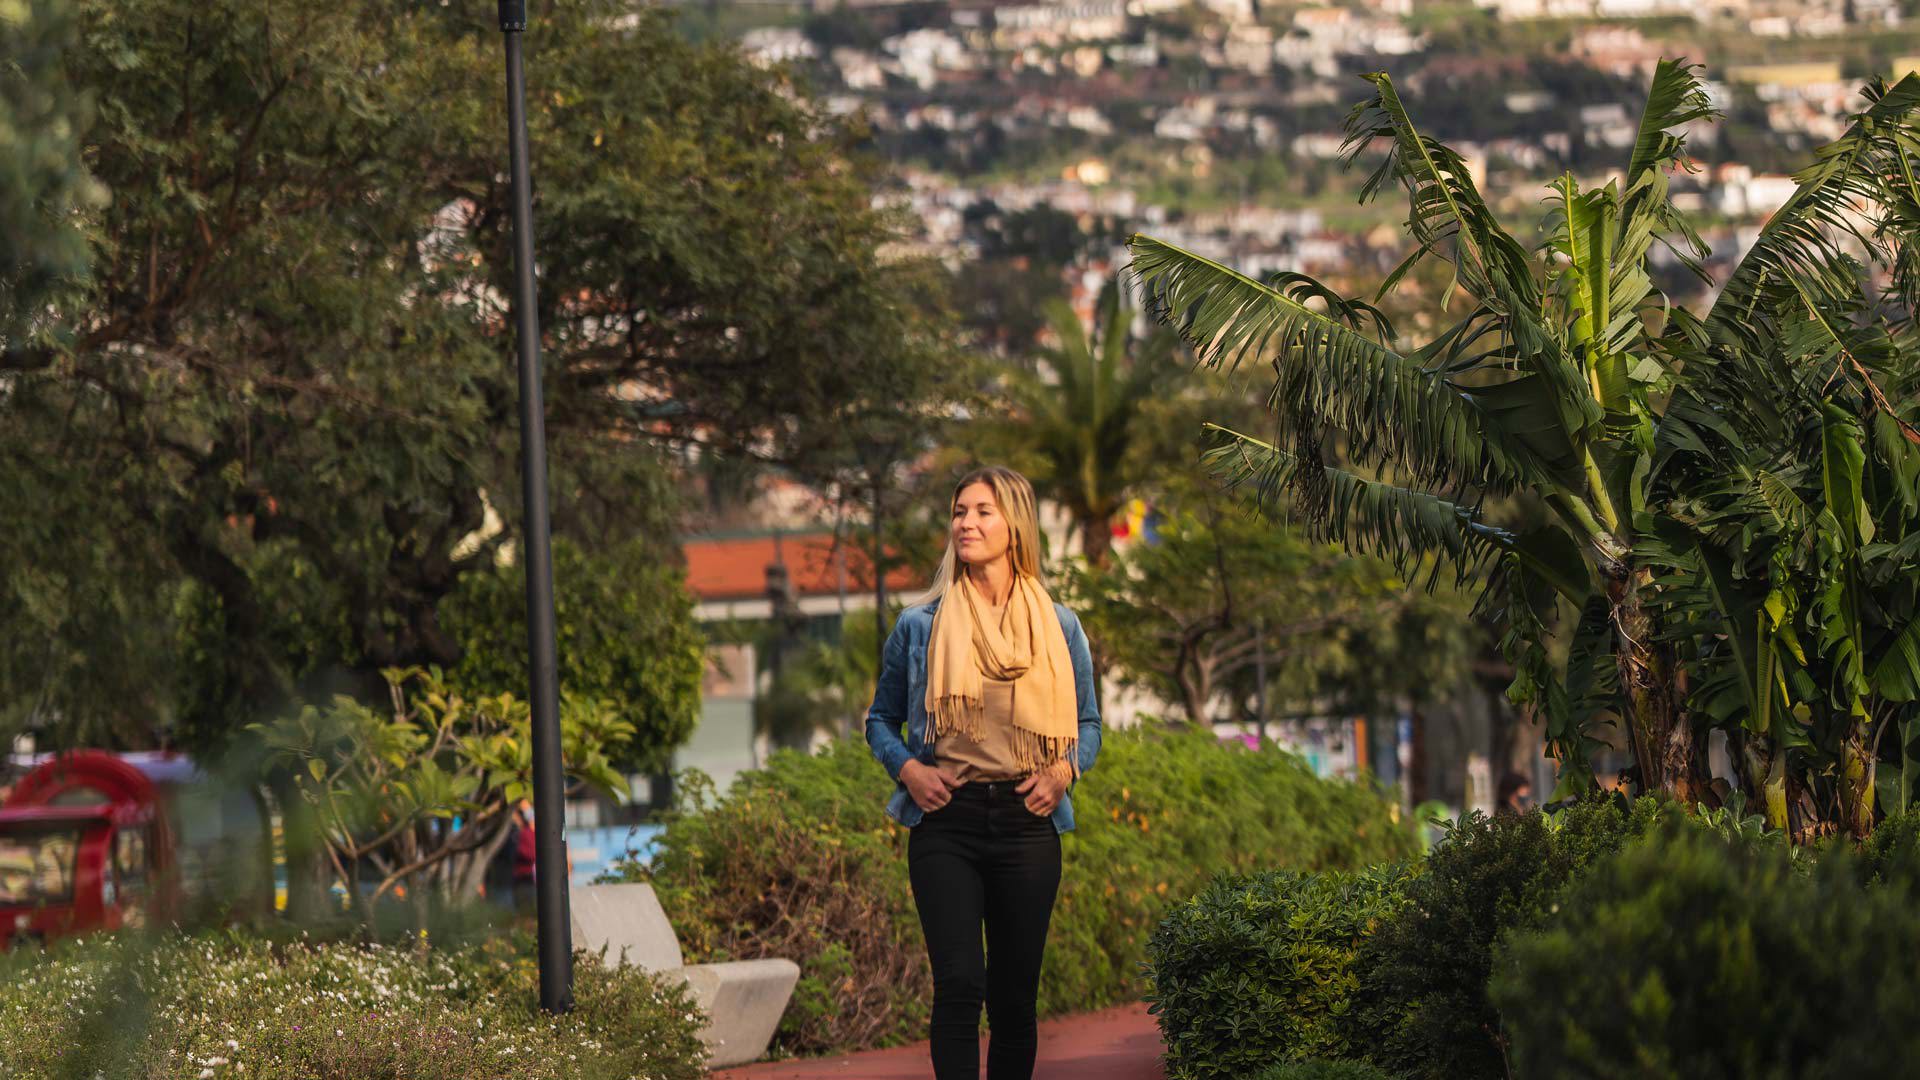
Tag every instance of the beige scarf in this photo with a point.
(966, 648)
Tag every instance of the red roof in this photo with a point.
(735, 568)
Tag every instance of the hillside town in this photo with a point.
(1216, 124)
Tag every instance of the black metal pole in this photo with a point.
(550, 856)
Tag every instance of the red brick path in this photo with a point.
(1121, 1043)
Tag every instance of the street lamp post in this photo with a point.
(550, 857)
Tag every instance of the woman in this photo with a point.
(994, 683)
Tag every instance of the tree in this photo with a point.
(271, 425)
(626, 640)
(423, 790)
(1081, 415)
(1570, 381)
(44, 185)
(287, 369)
(1190, 616)
(44, 191)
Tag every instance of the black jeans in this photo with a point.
(984, 858)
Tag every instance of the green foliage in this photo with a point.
(1323, 1070)
(1262, 967)
(425, 789)
(184, 1008)
(1422, 1010)
(1891, 856)
(43, 182)
(1081, 412)
(1687, 956)
(626, 639)
(798, 860)
(1733, 496)
(285, 379)
(1183, 618)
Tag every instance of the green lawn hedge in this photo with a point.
(232, 1006)
(799, 860)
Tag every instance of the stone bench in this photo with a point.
(743, 999)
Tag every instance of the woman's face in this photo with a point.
(980, 533)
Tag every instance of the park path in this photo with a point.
(1121, 1043)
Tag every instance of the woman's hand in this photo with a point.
(931, 788)
(1044, 788)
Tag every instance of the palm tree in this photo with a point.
(1570, 380)
(1083, 413)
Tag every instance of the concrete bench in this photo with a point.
(743, 999)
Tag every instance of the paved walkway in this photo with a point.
(1121, 1043)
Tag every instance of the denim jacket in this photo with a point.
(902, 695)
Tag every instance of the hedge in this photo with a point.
(1260, 968)
(174, 1007)
(1688, 956)
(1422, 1010)
(1405, 965)
(799, 860)
(1323, 1070)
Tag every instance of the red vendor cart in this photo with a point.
(86, 844)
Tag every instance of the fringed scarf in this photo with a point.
(966, 648)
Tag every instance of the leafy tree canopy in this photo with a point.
(282, 404)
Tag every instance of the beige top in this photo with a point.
(991, 756)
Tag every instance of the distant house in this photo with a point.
(1015, 26)
(728, 574)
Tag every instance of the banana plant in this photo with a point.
(1789, 470)
(1572, 381)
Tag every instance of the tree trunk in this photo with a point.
(1096, 540)
(1194, 690)
(468, 882)
(1416, 780)
(264, 910)
(1857, 773)
(1763, 775)
(304, 851)
(1670, 759)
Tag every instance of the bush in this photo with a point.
(233, 1006)
(1891, 854)
(1422, 1011)
(1323, 1070)
(1260, 968)
(1688, 957)
(800, 861)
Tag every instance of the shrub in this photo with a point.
(1891, 855)
(235, 1006)
(799, 861)
(1422, 1010)
(1686, 957)
(1260, 968)
(1323, 1070)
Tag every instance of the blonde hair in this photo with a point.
(1013, 494)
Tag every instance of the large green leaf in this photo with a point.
(1896, 675)
(1798, 242)
(1842, 459)
(1335, 375)
(1395, 523)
